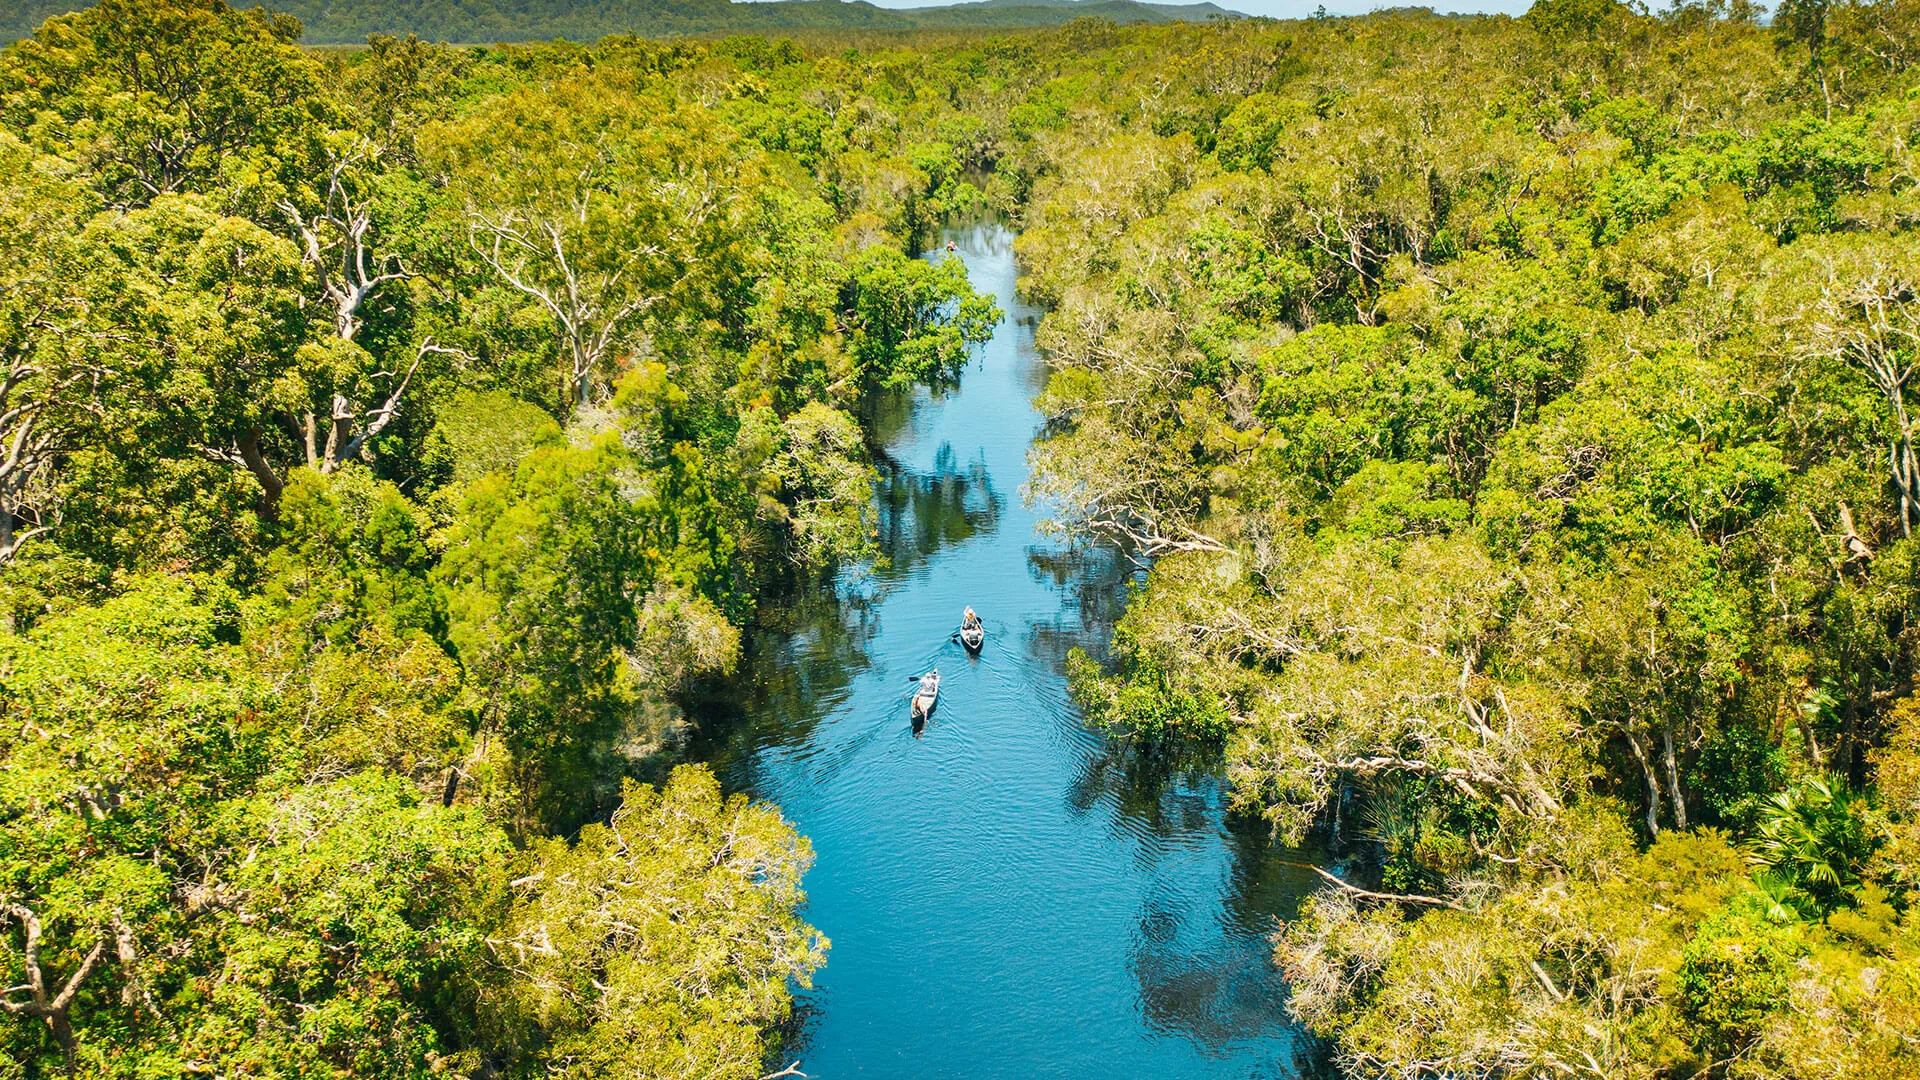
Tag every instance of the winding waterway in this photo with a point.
(1008, 894)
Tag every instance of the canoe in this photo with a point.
(925, 697)
(973, 637)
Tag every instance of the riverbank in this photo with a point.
(1009, 894)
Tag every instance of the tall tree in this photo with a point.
(603, 206)
(50, 378)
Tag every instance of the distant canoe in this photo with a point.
(973, 637)
(925, 697)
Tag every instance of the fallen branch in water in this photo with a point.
(791, 1070)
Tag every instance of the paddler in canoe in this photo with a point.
(972, 634)
(926, 695)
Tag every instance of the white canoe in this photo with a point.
(926, 696)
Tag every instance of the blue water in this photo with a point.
(1008, 893)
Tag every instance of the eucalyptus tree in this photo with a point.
(604, 204)
(661, 943)
(345, 225)
(163, 97)
(50, 382)
(211, 324)
(214, 879)
(1866, 313)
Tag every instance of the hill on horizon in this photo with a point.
(344, 22)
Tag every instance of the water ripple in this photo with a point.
(1009, 894)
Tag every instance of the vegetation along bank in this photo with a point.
(1512, 412)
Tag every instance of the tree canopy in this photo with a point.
(1510, 414)
(391, 444)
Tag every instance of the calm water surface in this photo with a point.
(1008, 894)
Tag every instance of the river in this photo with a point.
(1009, 895)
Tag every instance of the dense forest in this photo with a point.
(387, 446)
(350, 22)
(1511, 412)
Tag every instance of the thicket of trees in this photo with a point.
(1513, 413)
(387, 446)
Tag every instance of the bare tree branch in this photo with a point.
(343, 447)
(1871, 321)
(336, 242)
(1368, 894)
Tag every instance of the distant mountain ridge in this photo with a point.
(336, 22)
(1187, 12)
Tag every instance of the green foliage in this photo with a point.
(1248, 136)
(1562, 21)
(1732, 977)
(481, 432)
(395, 439)
(664, 936)
(1736, 770)
(1516, 447)
(1897, 783)
(1338, 396)
(1514, 414)
(1815, 837)
(158, 97)
(543, 572)
(151, 685)
(48, 381)
(1555, 971)
(1395, 500)
(352, 550)
(359, 921)
(902, 329)
(255, 889)
(814, 477)
(1147, 702)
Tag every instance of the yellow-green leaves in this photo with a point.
(160, 97)
(660, 944)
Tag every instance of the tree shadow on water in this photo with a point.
(806, 650)
(921, 513)
(798, 663)
(1201, 954)
(1092, 580)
